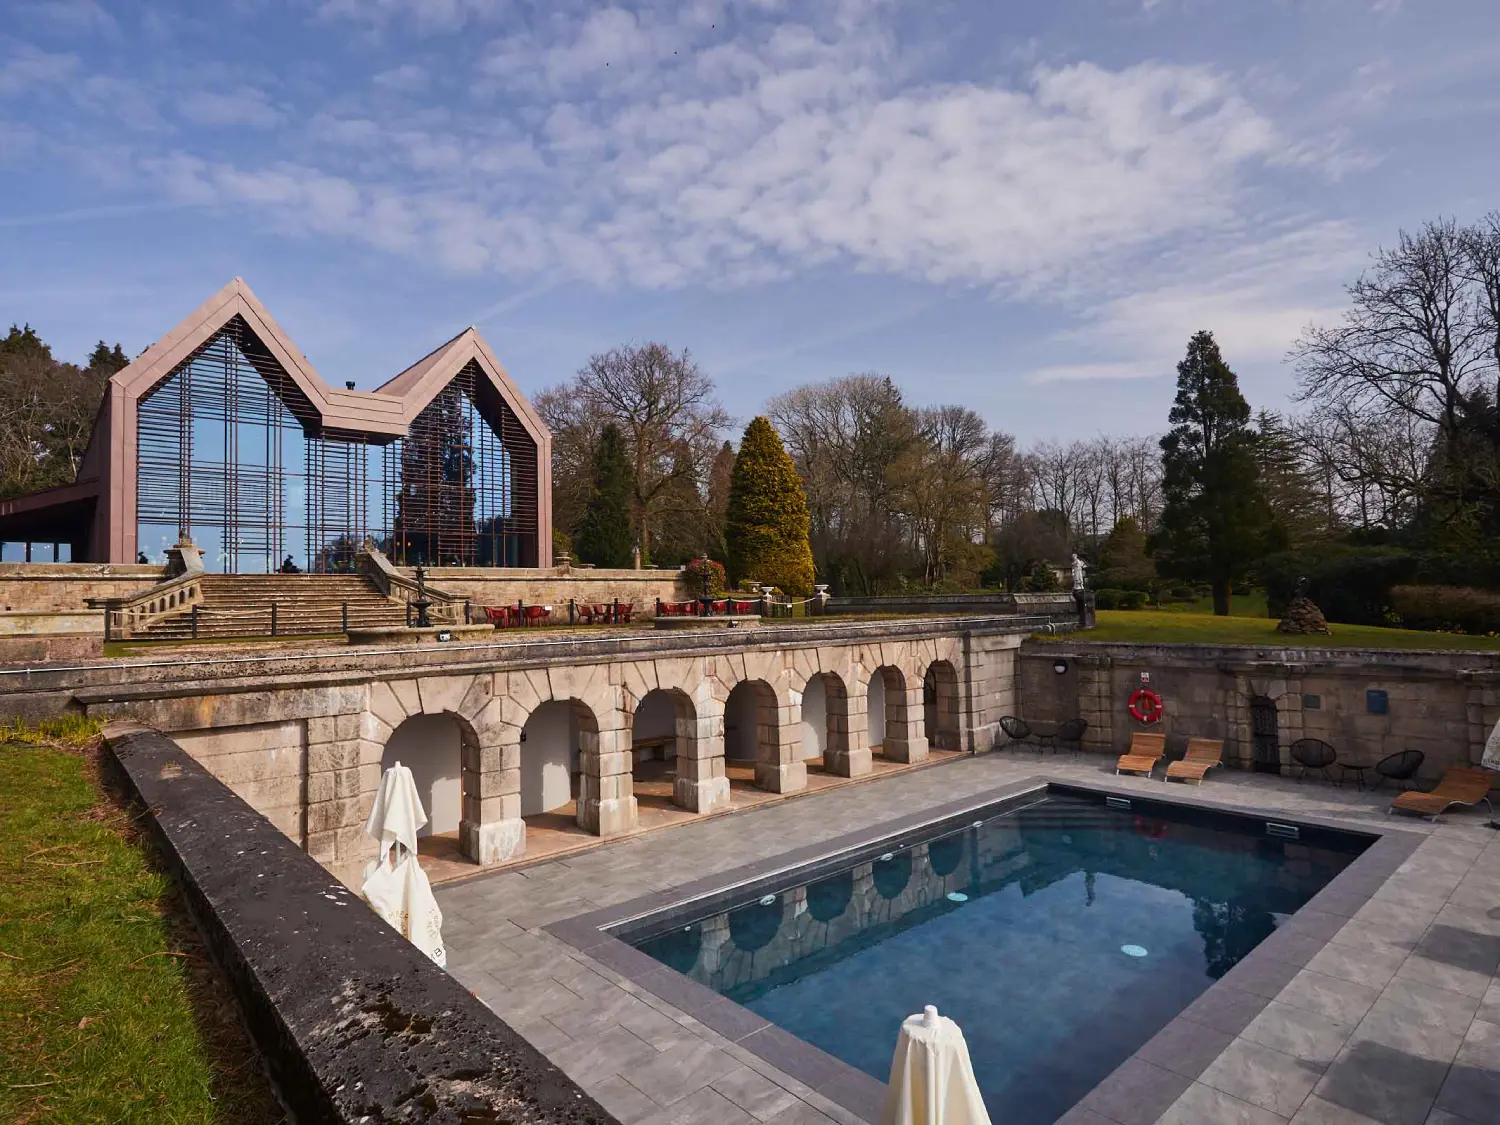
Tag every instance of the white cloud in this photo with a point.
(30, 68)
(1091, 372)
(243, 106)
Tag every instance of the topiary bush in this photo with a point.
(1133, 599)
(767, 523)
(1107, 599)
(1448, 609)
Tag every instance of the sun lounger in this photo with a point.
(1461, 785)
(1203, 754)
(1145, 751)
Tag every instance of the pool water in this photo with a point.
(1060, 935)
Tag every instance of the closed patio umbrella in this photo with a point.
(932, 1081)
(395, 884)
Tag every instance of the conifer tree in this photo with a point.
(766, 524)
(604, 537)
(1215, 520)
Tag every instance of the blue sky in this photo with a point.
(1026, 208)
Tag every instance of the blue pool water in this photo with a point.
(1061, 936)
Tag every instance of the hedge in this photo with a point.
(1451, 609)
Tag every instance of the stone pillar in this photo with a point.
(701, 784)
(848, 753)
(491, 830)
(1092, 675)
(905, 728)
(606, 804)
(779, 767)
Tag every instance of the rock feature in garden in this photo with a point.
(1303, 618)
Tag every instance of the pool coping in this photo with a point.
(1150, 1079)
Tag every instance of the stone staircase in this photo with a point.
(241, 605)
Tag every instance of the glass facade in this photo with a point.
(231, 453)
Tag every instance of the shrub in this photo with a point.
(693, 574)
(1449, 609)
(1107, 599)
(1349, 584)
(1184, 593)
(1134, 599)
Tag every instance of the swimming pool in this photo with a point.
(1059, 929)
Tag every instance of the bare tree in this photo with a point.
(665, 405)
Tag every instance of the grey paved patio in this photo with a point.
(1388, 1012)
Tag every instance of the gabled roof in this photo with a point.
(424, 380)
(362, 411)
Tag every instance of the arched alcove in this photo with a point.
(940, 706)
(662, 733)
(431, 746)
(885, 707)
(751, 731)
(549, 755)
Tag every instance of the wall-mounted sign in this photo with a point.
(1377, 702)
(445, 636)
(1312, 703)
(1145, 677)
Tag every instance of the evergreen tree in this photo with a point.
(1123, 562)
(1215, 520)
(604, 537)
(107, 359)
(720, 474)
(766, 522)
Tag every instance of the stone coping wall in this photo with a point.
(66, 587)
(1366, 703)
(555, 586)
(354, 1023)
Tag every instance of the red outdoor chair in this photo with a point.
(537, 614)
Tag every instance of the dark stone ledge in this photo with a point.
(355, 1024)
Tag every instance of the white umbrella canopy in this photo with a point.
(932, 1081)
(395, 884)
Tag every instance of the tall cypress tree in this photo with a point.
(766, 524)
(604, 537)
(1215, 520)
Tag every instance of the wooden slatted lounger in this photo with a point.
(1203, 754)
(1461, 785)
(1145, 751)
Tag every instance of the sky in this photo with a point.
(1024, 208)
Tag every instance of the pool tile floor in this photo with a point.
(1381, 1007)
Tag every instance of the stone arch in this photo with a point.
(664, 742)
(760, 728)
(433, 748)
(940, 705)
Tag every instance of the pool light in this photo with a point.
(957, 896)
(1133, 950)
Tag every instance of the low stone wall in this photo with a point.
(66, 587)
(555, 586)
(1441, 703)
(43, 648)
(355, 1024)
(1045, 605)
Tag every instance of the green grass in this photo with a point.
(1240, 605)
(1149, 626)
(109, 1011)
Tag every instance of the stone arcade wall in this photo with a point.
(300, 737)
(1442, 703)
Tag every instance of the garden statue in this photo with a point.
(1079, 566)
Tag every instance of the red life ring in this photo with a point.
(1145, 706)
(1150, 829)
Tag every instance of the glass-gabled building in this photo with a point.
(223, 432)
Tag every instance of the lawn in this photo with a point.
(1150, 626)
(109, 1011)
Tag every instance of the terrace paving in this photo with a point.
(1383, 1007)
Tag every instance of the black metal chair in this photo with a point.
(1401, 766)
(1314, 754)
(1068, 734)
(1017, 731)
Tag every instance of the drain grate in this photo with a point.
(1284, 831)
(1116, 802)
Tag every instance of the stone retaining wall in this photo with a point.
(354, 1023)
(66, 587)
(555, 586)
(1441, 703)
